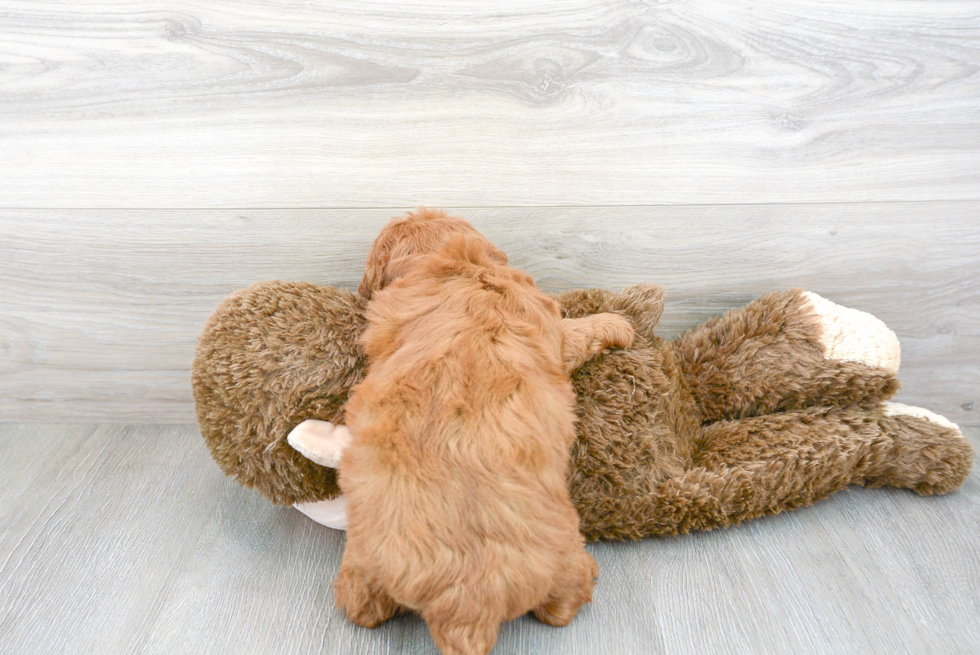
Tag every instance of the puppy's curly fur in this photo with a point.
(456, 478)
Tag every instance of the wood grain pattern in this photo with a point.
(101, 309)
(127, 539)
(273, 103)
(831, 145)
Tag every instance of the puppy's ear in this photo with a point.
(380, 271)
(496, 254)
(373, 274)
(385, 250)
(475, 249)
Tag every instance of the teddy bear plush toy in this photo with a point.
(770, 407)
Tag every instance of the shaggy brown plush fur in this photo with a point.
(455, 478)
(739, 418)
(272, 356)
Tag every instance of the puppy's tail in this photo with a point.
(464, 638)
(460, 626)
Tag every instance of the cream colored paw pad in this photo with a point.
(850, 335)
(320, 441)
(898, 409)
(331, 513)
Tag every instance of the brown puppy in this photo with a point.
(456, 476)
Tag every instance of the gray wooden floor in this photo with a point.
(127, 539)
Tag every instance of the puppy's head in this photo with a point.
(421, 232)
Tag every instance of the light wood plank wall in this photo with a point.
(156, 156)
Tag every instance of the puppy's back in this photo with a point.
(456, 479)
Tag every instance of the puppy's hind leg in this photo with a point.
(366, 605)
(573, 588)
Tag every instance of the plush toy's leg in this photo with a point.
(572, 590)
(763, 465)
(931, 455)
(788, 350)
(365, 604)
(850, 335)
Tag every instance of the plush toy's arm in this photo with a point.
(320, 441)
(324, 443)
(331, 513)
(584, 338)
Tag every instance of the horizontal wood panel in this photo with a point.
(100, 310)
(261, 103)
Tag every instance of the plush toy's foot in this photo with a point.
(898, 409)
(331, 513)
(320, 441)
(850, 335)
(931, 455)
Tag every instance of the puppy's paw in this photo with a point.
(850, 335)
(584, 338)
(365, 605)
(573, 588)
(612, 331)
(321, 442)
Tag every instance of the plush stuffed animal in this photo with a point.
(770, 407)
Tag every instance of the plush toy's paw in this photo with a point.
(850, 335)
(320, 441)
(331, 513)
(898, 409)
(931, 455)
